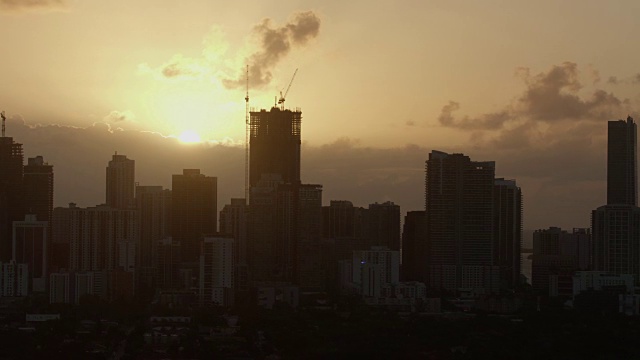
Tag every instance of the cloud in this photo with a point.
(119, 116)
(485, 121)
(275, 43)
(551, 101)
(25, 5)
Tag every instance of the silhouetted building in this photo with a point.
(343, 220)
(154, 209)
(233, 222)
(616, 226)
(120, 182)
(11, 192)
(217, 271)
(38, 189)
(459, 208)
(95, 235)
(284, 233)
(616, 239)
(414, 256)
(384, 225)
(167, 264)
(507, 231)
(30, 246)
(622, 163)
(194, 211)
(557, 255)
(275, 145)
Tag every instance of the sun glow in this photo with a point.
(189, 137)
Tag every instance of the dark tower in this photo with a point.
(622, 163)
(38, 189)
(194, 209)
(275, 145)
(121, 182)
(11, 192)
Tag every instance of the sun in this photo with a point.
(189, 137)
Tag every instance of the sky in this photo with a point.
(380, 84)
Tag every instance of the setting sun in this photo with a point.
(189, 137)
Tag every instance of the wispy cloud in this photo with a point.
(272, 44)
(26, 5)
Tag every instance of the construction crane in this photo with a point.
(4, 118)
(246, 142)
(283, 97)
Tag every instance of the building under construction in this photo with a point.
(275, 144)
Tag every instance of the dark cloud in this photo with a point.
(612, 80)
(549, 102)
(275, 43)
(20, 5)
(119, 116)
(485, 121)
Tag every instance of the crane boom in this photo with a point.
(283, 97)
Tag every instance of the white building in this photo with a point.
(389, 261)
(600, 280)
(217, 271)
(59, 288)
(14, 279)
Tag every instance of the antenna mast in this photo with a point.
(4, 118)
(246, 142)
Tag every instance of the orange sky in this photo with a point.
(528, 84)
(371, 70)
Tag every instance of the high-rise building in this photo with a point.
(343, 220)
(167, 264)
(275, 145)
(616, 226)
(622, 163)
(284, 233)
(14, 279)
(384, 225)
(217, 271)
(38, 189)
(459, 208)
(154, 210)
(507, 231)
(194, 211)
(11, 192)
(30, 246)
(414, 256)
(120, 182)
(557, 255)
(95, 235)
(233, 222)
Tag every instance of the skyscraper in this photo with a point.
(154, 210)
(384, 225)
(233, 222)
(38, 189)
(120, 182)
(194, 211)
(459, 208)
(622, 163)
(30, 246)
(615, 227)
(216, 271)
(11, 192)
(413, 246)
(275, 145)
(507, 231)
